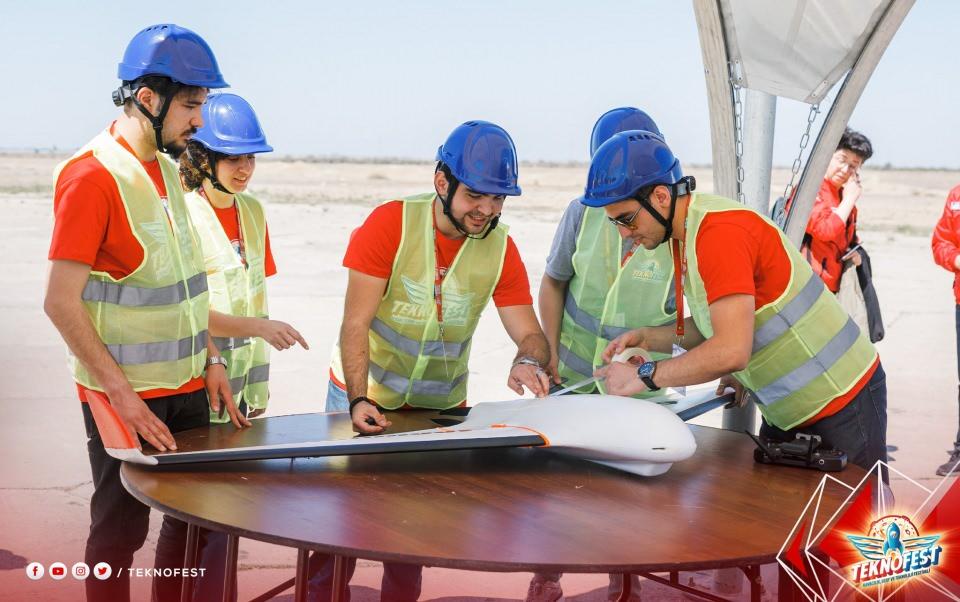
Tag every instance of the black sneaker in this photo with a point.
(950, 468)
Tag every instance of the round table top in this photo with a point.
(519, 509)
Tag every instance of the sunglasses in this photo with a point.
(626, 222)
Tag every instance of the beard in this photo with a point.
(175, 148)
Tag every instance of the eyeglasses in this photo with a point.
(851, 164)
(626, 222)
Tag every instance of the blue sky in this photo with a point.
(391, 79)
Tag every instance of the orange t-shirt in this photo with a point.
(374, 245)
(739, 253)
(230, 222)
(91, 227)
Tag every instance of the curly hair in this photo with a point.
(195, 164)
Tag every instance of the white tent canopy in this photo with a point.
(797, 48)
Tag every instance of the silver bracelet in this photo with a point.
(526, 360)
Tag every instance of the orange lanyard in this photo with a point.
(630, 253)
(679, 271)
(437, 277)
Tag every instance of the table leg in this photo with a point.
(189, 562)
(339, 588)
(752, 572)
(303, 576)
(625, 588)
(230, 572)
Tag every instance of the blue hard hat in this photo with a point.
(171, 51)
(619, 120)
(230, 126)
(482, 156)
(627, 162)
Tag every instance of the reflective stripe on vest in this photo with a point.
(401, 384)
(154, 320)
(411, 347)
(235, 289)
(229, 343)
(131, 354)
(409, 362)
(806, 349)
(119, 294)
(574, 362)
(605, 299)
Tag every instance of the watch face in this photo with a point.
(646, 369)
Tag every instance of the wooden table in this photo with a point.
(488, 510)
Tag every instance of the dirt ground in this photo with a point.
(312, 208)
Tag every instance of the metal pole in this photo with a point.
(760, 115)
(719, 96)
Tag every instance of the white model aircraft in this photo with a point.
(642, 437)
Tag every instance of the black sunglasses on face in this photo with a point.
(626, 222)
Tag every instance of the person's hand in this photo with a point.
(632, 338)
(852, 189)
(531, 377)
(364, 411)
(739, 395)
(553, 370)
(956, 262)
(621, 379)
(139, 420)
(280, 334)
(856, 259)
(220, 396)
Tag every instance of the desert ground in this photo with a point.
(312, 207)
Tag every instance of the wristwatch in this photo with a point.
(216, 359)
(645, 372)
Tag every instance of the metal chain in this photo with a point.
(737, 125)
(811, 118)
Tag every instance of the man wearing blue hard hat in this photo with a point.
(595, 287)
(761, 319)
(127, 289)
(422, 269)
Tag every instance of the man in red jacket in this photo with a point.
(946, 252)
(832, 228)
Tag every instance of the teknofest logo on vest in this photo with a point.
(419, 306)
(651, 271)
(893, 550)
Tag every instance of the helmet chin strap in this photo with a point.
(683, 187)
(211, 175)
(666, 222)
(446, 204)
(157, 120)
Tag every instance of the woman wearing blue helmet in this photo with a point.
(216, 169)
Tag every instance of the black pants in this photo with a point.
(859, 429)
(956, 442)
(119, 523)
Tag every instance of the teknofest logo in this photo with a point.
(875, 541)
(894, 550)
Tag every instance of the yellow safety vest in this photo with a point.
(238, 290)
(806, 350)
(153, 321)
(605, 299)
(409, 362)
